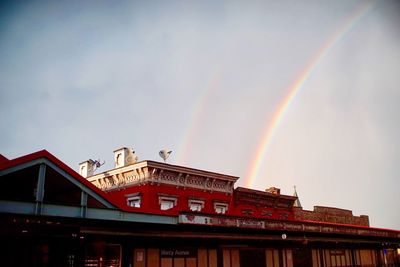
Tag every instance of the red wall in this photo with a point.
(150, 202)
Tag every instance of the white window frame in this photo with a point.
(196, 205)
(136, 200)
(220, 207)
(170, 200)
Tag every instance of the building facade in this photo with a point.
(153, 214)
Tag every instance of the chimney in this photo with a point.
(273, 190)
(124, 156)
(86, 168)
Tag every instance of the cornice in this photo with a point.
(151, 172)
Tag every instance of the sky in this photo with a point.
(278, 93)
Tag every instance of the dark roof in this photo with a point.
(6, 164)
(3, 159)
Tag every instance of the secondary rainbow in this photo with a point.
(197, 117)
(295, 88)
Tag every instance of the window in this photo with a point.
(247, 211)
(196, 204)
(134, 200)
(220, 207)
(167, 202)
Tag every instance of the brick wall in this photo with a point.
(332, 215)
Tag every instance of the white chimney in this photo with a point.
(86, 168)
(124, 156)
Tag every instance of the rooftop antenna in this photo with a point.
(164, 154)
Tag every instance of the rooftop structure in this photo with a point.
(153, 214)
(146, 185)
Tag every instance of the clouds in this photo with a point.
(204, 79)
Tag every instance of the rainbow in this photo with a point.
(295, 88)
(197, 118)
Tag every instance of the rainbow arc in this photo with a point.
(295, 88)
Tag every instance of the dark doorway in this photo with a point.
(252, 258)
(302, 257)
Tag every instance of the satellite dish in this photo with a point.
(96, 164)
(131, 157)
(164, 154)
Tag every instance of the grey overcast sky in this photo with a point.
(204, 79)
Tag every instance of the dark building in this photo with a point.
(152, 214)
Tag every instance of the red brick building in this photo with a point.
(150, 214)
